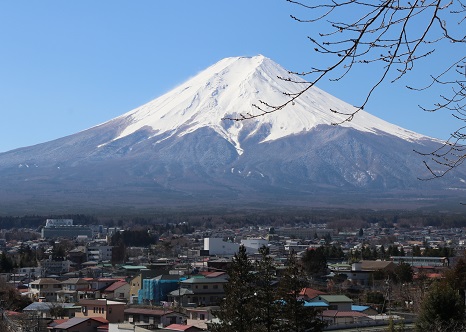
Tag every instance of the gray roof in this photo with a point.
(46, 306)
(181, 291)
(205, 280)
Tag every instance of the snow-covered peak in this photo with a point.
(232, 86)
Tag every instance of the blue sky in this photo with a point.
(66, 66)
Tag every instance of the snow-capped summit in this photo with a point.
(232, 86)
(178, 151)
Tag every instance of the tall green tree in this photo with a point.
(442, 310)
(294, 316)
(237, 312)
(314, 262)
(265, 297)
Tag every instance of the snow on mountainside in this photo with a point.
(177, 151)
(230, 87)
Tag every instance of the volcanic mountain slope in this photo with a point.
(178, 150)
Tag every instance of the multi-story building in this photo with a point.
(45, 289)
(56, 228)
(99, 253)
(73, 289)
(112, 311)
(195, 291)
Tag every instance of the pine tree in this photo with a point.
(442, 310)
(295, 317)
(237, 312)
(314, 262)
(266, 300)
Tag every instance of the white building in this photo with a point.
(254, 244)
(99, 253)
(217, 246)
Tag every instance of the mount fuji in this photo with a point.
(177, 151)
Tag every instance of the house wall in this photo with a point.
(114, 313)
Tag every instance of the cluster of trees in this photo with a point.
(255, 300)
(374, 253)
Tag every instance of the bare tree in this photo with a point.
(391, 36)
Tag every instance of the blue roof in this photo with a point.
(359, 307)
(315, 304)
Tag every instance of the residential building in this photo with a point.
(81, 324)
(153, 318)
(54, 267)
(117, 291)
(112, 311)
(199, 316)
(202, 291)
(73, 290)
(99, 252)
(45, 289)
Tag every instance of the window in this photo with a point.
(215, 286)
(201, 316)
(205, 287)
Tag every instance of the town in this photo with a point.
(68, 276)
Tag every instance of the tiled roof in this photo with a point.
(115, 286)
(149, 312)
(43, 281)
(310, 292)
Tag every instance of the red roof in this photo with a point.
(179, 327)
(215, 274)
(115, 286)
(310, 292)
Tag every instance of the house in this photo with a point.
(98, 285)
(153, 318)
(200, 316)
(203, 291)
(307, 294)
(73, 289)
(80, 324)
(337, 317)
(50, 309)
(44, 288)
(112, 311)
(335, 302)
(117, 291)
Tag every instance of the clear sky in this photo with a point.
(66, 66)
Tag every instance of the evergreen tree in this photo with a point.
(314, 262)
(295, 317)
(266, 296)
(442, 310)
(237, 312)
(403, 273)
